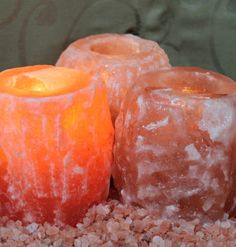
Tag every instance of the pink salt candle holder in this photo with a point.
(118, 58)
(175, 142)
(56, 139)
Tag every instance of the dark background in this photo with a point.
(192, 32)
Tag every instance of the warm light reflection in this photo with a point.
(194, 90)
(56, 139)
(190, 90)
(43, 82)
(29, 84)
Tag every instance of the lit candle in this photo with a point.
(174, 143)
(119, 59)
(56, 140)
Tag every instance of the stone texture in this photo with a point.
(118, 58)
(123, 225)
(55, 144)
(174, 142)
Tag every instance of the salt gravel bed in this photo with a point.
(114, 224)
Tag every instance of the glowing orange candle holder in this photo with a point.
(175, 143)
(119, 58)
(56, 140)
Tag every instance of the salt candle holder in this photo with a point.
(174, 142)
(56, 140)
(118, 58)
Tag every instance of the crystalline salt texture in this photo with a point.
(55, 144)
(119, 58)
(181, 147)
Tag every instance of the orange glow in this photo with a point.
(42, 82)
(56, 140)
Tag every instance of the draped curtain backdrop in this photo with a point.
(192, 32)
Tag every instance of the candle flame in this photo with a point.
(30, 84)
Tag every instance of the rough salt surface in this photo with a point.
(114, 224)
(55, 152)
(174, 150)
(118, 58)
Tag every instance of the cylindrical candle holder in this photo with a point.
(118, 58)
(56, 140)
(174, 143)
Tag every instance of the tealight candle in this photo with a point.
(119, 58)
(174, 142)
(56, 140)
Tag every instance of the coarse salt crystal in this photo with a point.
(159, 241)
(225, 224)
(32, 227)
